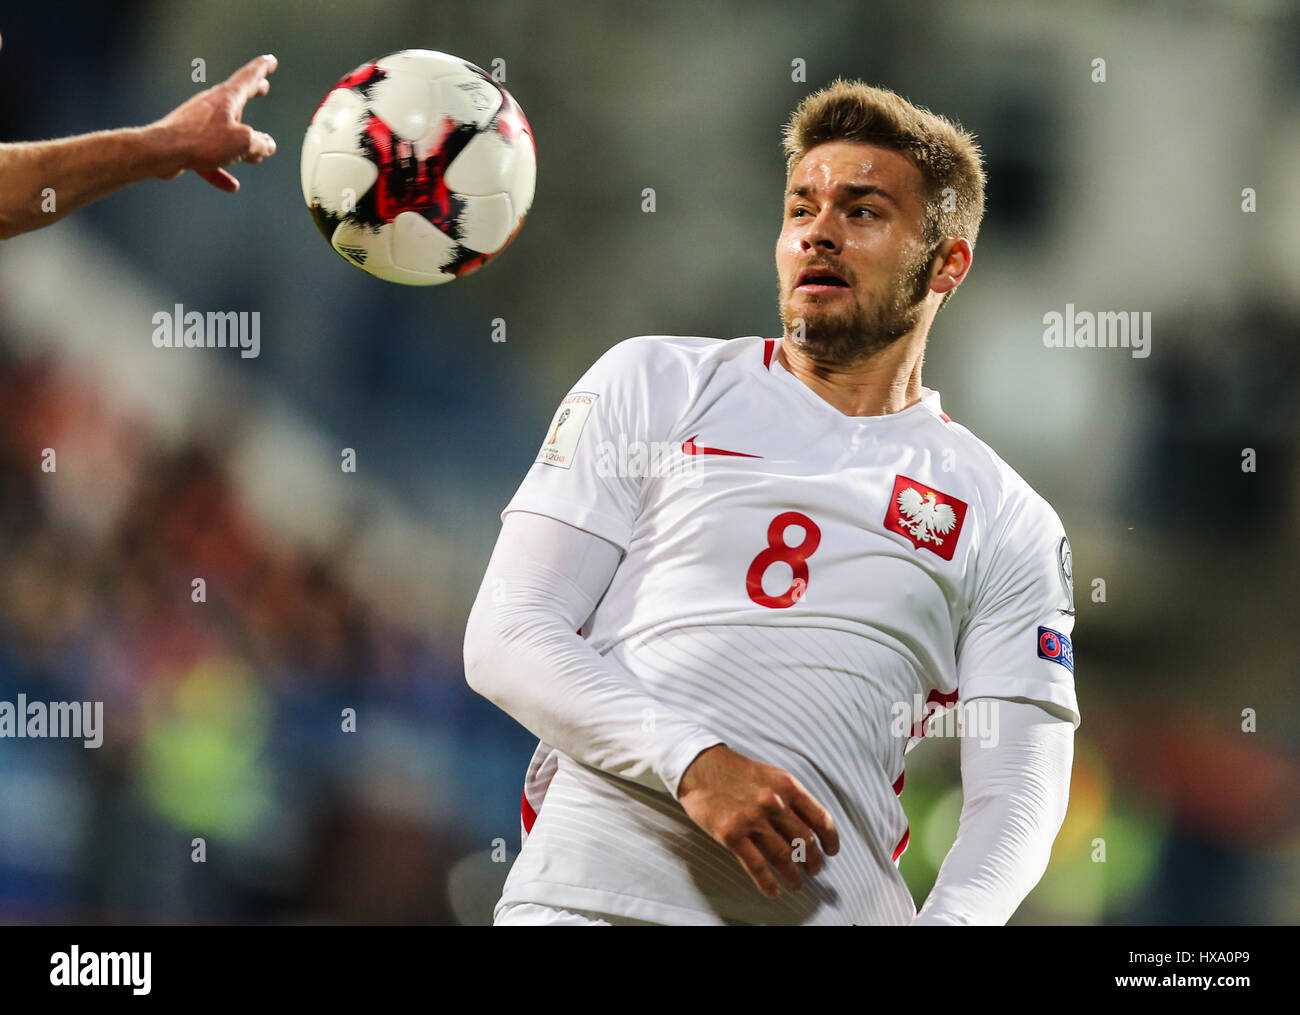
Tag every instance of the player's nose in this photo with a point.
(821, 234)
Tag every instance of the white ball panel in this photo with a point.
(467, 98)
(420, 246)
(406, 102)
(341, 179)
(365, 247)
(486, 222)
(427, 63)
(307, 163)
(405, 276)
(485, 166)
(340, 120)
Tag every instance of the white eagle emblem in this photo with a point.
(927, 520)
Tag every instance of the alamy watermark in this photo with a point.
(75, 968)
(637, 459)
(976, 718)
(1107, 329)
(75, 720)
(179, 328)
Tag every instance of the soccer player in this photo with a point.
(42, 181)
(736, 565)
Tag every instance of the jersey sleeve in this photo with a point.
(622, 406)
(1015, 641)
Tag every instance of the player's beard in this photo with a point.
(851, 334)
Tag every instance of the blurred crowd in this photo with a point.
(225, 717)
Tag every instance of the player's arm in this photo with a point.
(1015, 673)
(1015, 790)
(42, 181)
(522, 653)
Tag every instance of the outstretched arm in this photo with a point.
(42, 181)
(1014, 801)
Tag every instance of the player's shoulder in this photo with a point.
(659, 353)
(654, 378)
(1010, 502)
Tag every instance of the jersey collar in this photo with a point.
(928, 405)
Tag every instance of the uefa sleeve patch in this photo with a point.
(1055, 648)
(566, 428)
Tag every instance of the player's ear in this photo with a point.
(951, 262)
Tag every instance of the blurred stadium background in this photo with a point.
(329, 590)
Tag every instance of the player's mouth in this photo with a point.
(815, 281)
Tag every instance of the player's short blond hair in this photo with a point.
(950, 161)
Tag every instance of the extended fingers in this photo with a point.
(220, 179)
(251, 79)
(260, 146)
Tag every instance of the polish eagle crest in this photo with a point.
(927, 520)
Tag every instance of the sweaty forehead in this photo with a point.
(837, 163)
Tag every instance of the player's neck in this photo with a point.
(889, 382)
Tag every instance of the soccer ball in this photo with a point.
(419, 168)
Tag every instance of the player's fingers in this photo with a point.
(818, 818)
(801, 840)
(752, 860)
(220, 179)
(778, 853)
(250, 79)
(260, 146)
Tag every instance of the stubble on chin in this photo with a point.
(841, 336)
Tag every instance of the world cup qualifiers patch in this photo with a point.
(566, 427)
(1055, 648)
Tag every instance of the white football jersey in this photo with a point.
(792, 578)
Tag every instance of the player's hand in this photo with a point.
(760, 813)
(206, 131)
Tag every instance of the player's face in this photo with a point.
(855, 211)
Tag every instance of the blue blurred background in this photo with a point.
(330, 590)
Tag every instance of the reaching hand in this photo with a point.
(206, 133)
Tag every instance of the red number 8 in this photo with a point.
(779, 550)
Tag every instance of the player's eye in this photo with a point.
(796, 212)
(865, 209)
